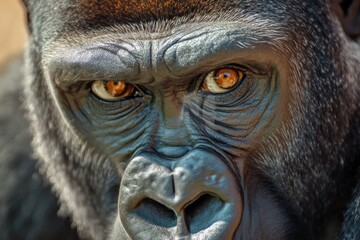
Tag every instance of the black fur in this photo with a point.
(311, 162)
(28, 208)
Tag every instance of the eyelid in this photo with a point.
(245, 71)
(99, 89)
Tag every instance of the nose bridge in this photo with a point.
(172, 138)
(172, 142)
(169, 97)
(172, 106)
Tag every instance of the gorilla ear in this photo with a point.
(348, 12)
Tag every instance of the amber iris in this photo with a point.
(119, 88)
(227, 77)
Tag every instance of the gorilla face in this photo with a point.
(177, 127)
(191, 120)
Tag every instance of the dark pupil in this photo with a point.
(226, 75)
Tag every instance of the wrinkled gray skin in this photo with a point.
(275, 158)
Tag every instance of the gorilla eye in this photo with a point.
(114, 90)
(222, 80)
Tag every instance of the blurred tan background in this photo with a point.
(12, 29)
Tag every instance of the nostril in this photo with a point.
(156, 213)
(202, 213)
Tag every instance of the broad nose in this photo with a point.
(195, 196)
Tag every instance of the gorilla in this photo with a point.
(193, 119)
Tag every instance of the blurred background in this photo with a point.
(13, 32)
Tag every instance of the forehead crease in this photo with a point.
(141, 10)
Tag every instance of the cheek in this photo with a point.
(115, 128)
(237, 122)
(266, 214)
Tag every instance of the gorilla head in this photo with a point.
(196, 119)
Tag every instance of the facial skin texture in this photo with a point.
(275, 157)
